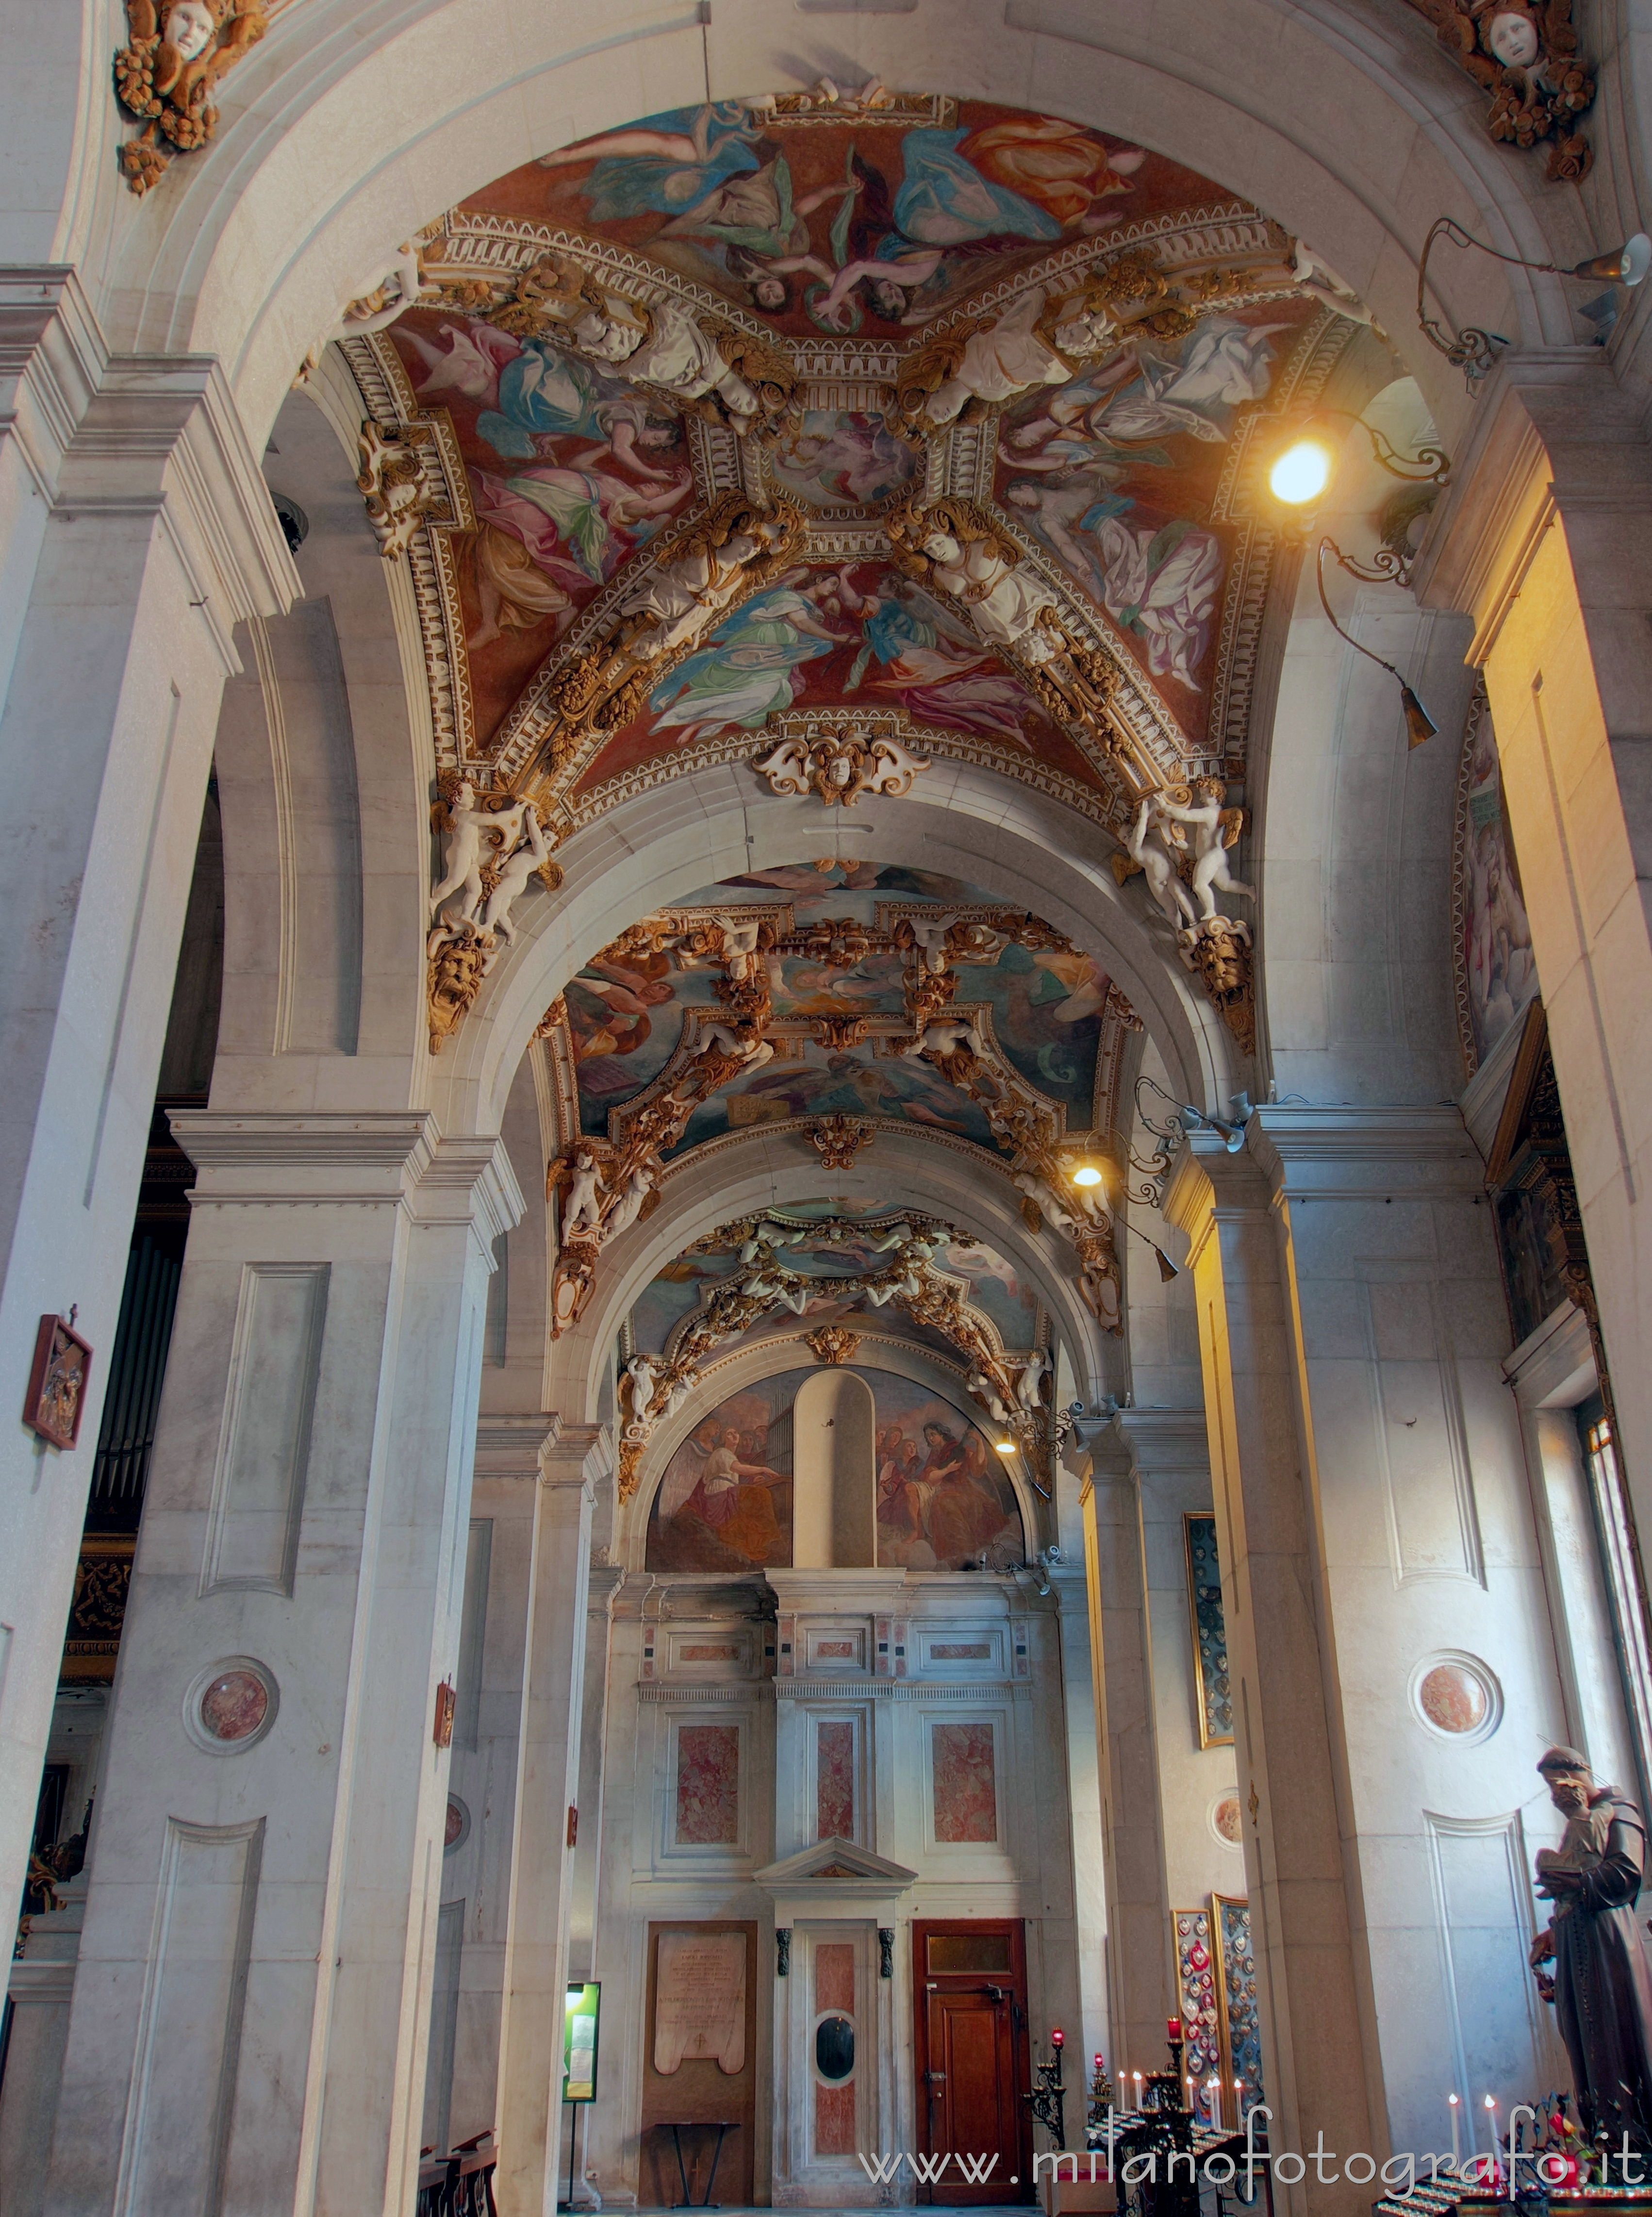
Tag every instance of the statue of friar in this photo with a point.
(1601, 1986)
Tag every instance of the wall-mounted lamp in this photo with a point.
(1419, 724)
(1470, 349)
(1305, 465)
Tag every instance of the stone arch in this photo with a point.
(760, 1170)
(1356, 135)
(718, 823)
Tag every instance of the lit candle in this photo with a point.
(1491, 2134)
(1173, 2028)
(1457, 2141)
(1058, 2040)
(1216, 2104)
(1138, 2078)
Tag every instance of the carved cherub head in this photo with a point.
(1511, 36)
(190, 28)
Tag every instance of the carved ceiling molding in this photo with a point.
(1523, 55)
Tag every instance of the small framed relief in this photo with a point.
(1212, 1692)
(57, 1381)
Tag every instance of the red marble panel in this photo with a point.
(965, 1794)
(708, 1785)
(834, 1783)
(835, 1976)
(834, 2120)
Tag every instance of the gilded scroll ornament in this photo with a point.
(838, 768)
(165, 75)
(831, 1343)
(837, 1140)
(398, 494)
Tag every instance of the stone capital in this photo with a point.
(53, 358)
(575, 1458)
(394, 1157)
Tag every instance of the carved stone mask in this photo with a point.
(190, 29)
(1513, 38)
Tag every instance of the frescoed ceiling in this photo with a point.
(838, 979)
(794, 338)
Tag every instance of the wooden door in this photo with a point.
(974, 2140)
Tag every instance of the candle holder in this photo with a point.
(1103, 2097)
(1048, 2100)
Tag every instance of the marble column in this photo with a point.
(252, 2000)
(1084, 1803)
(1391, 1647)
(585, 1895)
(1315, 2030)
(1138, 1915)
(135, 534)
(1547, 540)
(574, 1461)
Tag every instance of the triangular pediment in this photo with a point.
(833, 1863)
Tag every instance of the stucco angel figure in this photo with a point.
(471, 835)
(668, 348)
(684, 596)
(766, 1281)
(989, 1396)
(930, 935)
(583, 1209)
(1214, 829)
(1147, 847)
(950, 379)
(1029, 1384)
(904, 1277)
(632, 1195)
(746, 1048)
(767, 1236)
(946, 1035)
(740, 946)
(166, 74)
(640, 1374)
(952, 547)
(526, 860)
(1067, 1214)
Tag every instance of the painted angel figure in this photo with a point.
(1214, 829)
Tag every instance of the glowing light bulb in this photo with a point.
(1087, 1174)
(1005, 1447)
(1301, 474)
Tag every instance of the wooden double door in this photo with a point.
(974, 2132)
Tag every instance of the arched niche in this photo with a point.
(907, 1383)
(834, 1473)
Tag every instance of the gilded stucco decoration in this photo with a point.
(1524, 57)
(165, 75)
(828, 1001)
(832, 436)
(759, 1273)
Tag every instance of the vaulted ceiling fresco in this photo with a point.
(830, 402)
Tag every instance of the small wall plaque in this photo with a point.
(442, 1730)
(57, 1381)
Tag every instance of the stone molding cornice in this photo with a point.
(53, 358)
(510, 1446)
(576, 1456)
(162, 436)
(371, 1157)
(1168, 1439)
(1358, 1153)
(1548, 1359)
(1555, 432)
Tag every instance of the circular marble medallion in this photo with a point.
(1457, 1696)
(1227, 1820)
(230, 1707)
(459, 1825)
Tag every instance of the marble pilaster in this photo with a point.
(253, 1993)
(573, 1460)
(135, 534)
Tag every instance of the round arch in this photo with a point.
(770, 1358)
(760, 1167)
(721, 823)
(1353, 131)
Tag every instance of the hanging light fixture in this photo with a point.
(1304, 465)
(1470, 349)
(1167, 1270)
(1419, 724)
